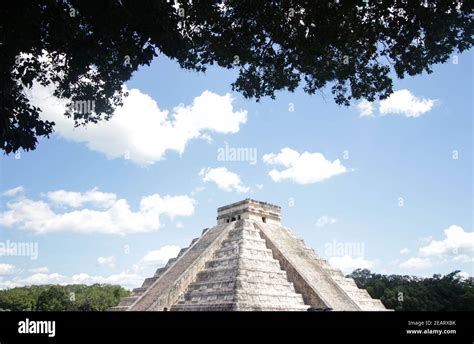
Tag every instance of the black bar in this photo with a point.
(378, 326)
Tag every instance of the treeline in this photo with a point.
(410, 293)
(74, 297)
(400, 293)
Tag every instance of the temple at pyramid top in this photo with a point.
(248, 262)
(249, 209)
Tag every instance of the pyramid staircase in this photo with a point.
(248, 262)
(242, 276)
(333, 289)
(126, 302)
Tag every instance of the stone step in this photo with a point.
(245, 280)
(371, 305)
(314, 253)
(222, 262)
(344, 280)
(171, 261)
(138, 291)
(209, 296)
(335, 270)
(269, 298)
(159, 272)
(272, 307)
(350, 281)
(244, 245)
(127, 301)
(358, 294)
(243, 285)
(219, 273)
(346, 283)
(148, 282)
(214, 307)
(184, 249)
(228, 284)
(265, 285)
(259, 297)
(244, 251)
(118, 308)
(232, 306)
(250, 242)
(259, 263)
(243, 261)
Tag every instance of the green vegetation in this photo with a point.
(401, 293)
(411, 293)
(76, 297)
(86, 50)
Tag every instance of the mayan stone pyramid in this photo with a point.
(248, 262)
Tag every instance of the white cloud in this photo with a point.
(404, 251)
(302, 168)
(78, 199)
(416, 263)
(457, 246)
(106, 261)
(348, 264)
(14, 192)
(140, 130)
(6, 269)
(456, 242)
(39, 218)
(129, 279)
(8, 284)
(463, 275)
(42, 269)
(160, 256)
(225, 179)
(197, 190)
(325, 220)
(463, 258)
(405, 103)
(365, 108)
(401, 102)
(125, 279)
(44, 278)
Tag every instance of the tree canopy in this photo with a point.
(74, 297)
(400, 293)
(411, 293)
(86, 50)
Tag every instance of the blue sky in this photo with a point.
(390, 190)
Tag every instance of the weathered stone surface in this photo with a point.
(321, 285)
(248, 262)
(242, 276)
